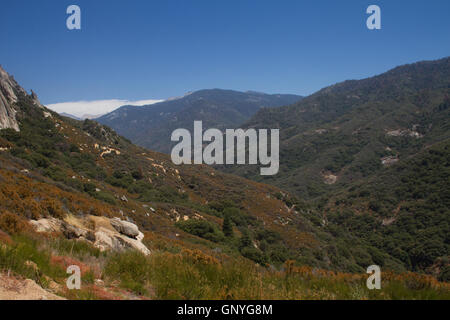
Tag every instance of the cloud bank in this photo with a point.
(92, 109)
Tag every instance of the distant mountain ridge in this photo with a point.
(151, 126)
(83, 117)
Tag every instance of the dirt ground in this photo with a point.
(12, 288)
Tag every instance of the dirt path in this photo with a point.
(12, 288)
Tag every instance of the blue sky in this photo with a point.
(137, 50)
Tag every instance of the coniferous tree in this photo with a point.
(227, 226)
(245, 241)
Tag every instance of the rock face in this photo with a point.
(7, 98)
(9, 89)
(103, 233)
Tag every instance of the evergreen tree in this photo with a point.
(227, 226)
(245, 241)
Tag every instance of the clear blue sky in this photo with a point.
(158, 49)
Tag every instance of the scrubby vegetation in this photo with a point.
(193, 274)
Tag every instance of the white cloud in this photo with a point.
(95, 108)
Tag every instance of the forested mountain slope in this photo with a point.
(355, 129)
(372, 156)
(151, 126)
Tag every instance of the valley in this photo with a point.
(76, 191)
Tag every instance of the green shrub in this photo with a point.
(131, 268)
(444, 276)
(202, 229)
(254, 254)
(227, 227)
(105, 196)
(79, 249)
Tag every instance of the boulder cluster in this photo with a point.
(104, 233)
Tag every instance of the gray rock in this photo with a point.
(124, 227)
(110, 240)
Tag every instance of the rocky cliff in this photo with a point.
(9, 90)
(7, 99)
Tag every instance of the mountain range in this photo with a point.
(151, 126)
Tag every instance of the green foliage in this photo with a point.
(195, 275)
(101, 133)
(227, 227)
(163, 194)
(418, 235)
(79, 249)
(444, 276)
(131, 268)
(254, 255)
(105, 196)
(238, 217)
(25, 248)
(120, 179)
(201, 228)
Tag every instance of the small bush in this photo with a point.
(12, 223)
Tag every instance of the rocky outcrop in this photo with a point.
(73, 232)
(404, 133)
(105, 239)
(124, 227)
(329, 178)
(9, 89)
(46, 225)
(388, 161)
(103, 233)
(7, 98)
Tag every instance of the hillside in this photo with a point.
(407, 210)
(75, 192)
(151, 126)
(53, 160)
(372, 156)
(355, 129)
